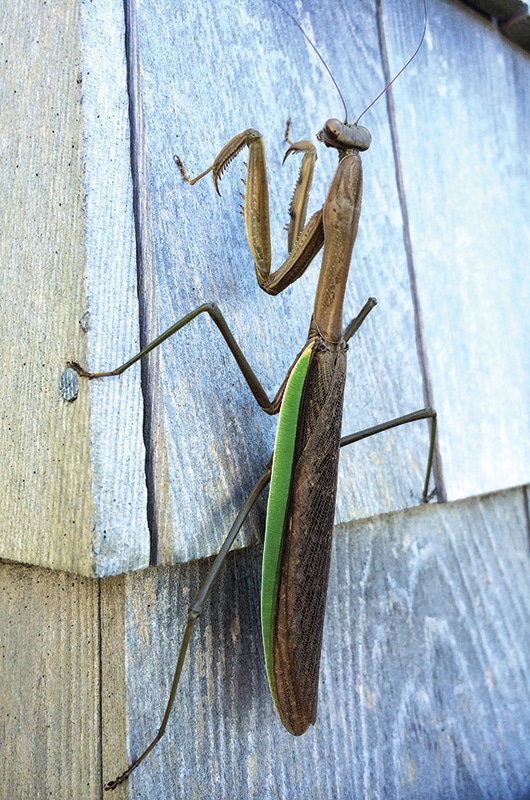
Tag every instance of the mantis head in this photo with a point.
(343, 137)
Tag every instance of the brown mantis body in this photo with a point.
(299, 521)
(293, 604)
(303, 469)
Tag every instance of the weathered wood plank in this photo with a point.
(207, 73)
(464, 139)
(65, 213)
(120, 537)
(424, 677)
(113, 677)
(425, 673)
(199, 248)
(91, 516)
(50, 683)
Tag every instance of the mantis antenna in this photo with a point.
(328, 70)
(403, 68)
(304, 34)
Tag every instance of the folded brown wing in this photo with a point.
(306, 546)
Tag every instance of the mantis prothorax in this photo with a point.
(303, 468)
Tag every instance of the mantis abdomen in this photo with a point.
(299, 531)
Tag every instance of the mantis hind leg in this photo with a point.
(194, 613)
(422, 413)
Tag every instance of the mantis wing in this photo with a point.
(299, 532)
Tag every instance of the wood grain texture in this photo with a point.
(45, 498)
(451, 325)
(425, 685)
(468, 104)
(424, 673)
(50, 684)
(114, 670)
(425, 668)
(249, 66)
(120, 539)
(461, 293)
(66, 212)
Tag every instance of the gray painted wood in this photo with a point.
(472, 322)
(468, 208)
(207, 73)
(451, 326)
(424, 675)
(73, 491)
(49, 685)
(120, 539)
(425, 668)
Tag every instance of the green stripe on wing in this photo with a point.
(278, 495)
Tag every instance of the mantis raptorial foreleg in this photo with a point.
(304, 241)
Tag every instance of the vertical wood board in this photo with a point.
(464, 140)
(77, 498)
(425, 671)
(46, 503)
(49, 685)
(121, 536)
(208, 73)
(74, 485)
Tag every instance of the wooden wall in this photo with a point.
(425, 674)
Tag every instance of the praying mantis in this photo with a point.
(303, 468)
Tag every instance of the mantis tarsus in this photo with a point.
(303, 468)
